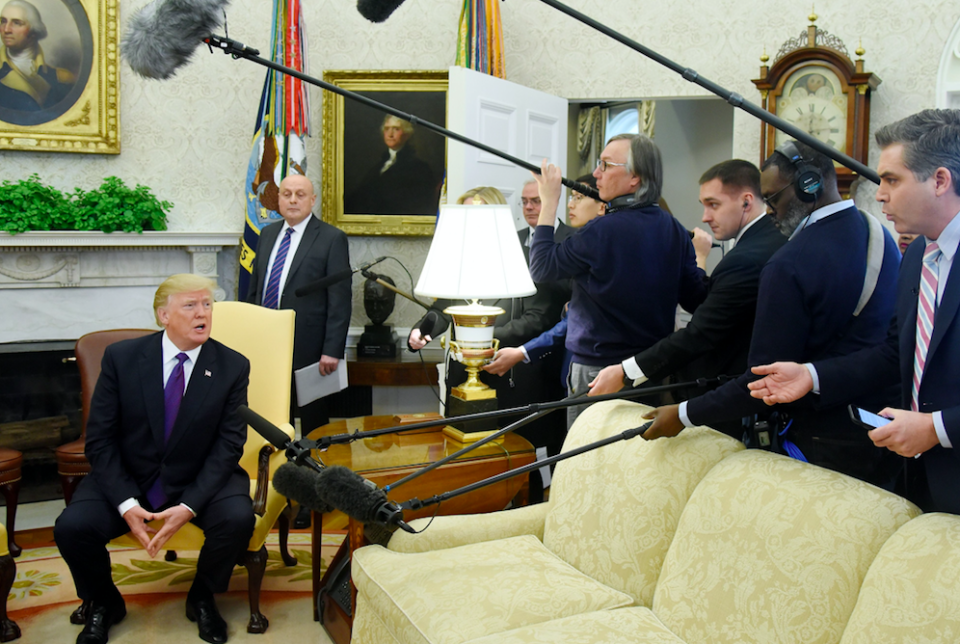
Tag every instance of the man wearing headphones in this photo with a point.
(828, 292)
(717, 339)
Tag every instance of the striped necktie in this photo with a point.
(926, 308)
(271, 297)
(172, 395)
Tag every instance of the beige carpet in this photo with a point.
(43, 597)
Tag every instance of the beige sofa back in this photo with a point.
(769, 549)
(613, 511)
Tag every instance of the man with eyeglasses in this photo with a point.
(830, 291)
(629, 268)
(530, 206)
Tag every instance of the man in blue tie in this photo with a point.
(920, 191)
(295, 252)
(164, 442)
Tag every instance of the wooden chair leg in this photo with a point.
(256, 565)
(8, 573)
(69, 484)
(11, 493)
(170, 556)
(284, 524)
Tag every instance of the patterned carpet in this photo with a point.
(43, 596)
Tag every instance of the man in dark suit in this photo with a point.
(164, 442)
(717, 338)
(297, 252)
(815, 301)
(920, 190)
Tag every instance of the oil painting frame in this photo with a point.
(354, 149)
(84, 56)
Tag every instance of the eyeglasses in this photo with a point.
(604, 165)
(576, 197)
(530, 202)
(768, 200)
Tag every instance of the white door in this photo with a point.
(520, 121)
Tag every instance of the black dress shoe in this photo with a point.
(100, 617)
(302, 520)
(212, 627)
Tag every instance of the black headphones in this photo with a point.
(808, 184)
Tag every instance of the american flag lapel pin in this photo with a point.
(207, 373)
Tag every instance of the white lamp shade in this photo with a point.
(475, 253)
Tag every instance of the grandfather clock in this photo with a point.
(814, 85)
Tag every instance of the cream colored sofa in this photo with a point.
(692, 539)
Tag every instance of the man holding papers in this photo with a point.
(296, 252)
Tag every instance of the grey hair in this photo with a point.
(405, 125)
(643, 162)
(37, 29)
(930, 140)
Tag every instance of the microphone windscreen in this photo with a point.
(377, 10)
(276, 436)
(430, 323)
(163, 35)
(300, 484)
(350, 493)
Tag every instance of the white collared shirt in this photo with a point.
(291, 252)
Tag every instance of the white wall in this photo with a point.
(189, 138)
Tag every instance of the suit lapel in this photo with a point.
(196, 392)
(310, 234)
(151, 380)
(524, 235)
(947, 309)
(268, 237)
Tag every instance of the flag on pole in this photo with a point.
(282, 122)
(480, 38)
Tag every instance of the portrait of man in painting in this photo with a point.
(46, 54)
(391, 166)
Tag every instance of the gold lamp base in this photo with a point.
(467, 437)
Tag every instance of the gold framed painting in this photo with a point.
(383, 175)
(59, 76)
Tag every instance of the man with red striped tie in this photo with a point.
(920, 191)
(296, 252)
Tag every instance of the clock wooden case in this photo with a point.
(814, 85)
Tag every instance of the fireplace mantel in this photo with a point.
(60, 284)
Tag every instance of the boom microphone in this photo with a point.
(329, 280)
(377, 10)
(278, 438)
(359, 498)
(163, 35)
(300, 484)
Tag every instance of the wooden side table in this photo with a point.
(388, 458)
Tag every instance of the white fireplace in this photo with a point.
(60, 285)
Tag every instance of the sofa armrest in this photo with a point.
(453, 531)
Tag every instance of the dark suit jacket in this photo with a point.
(408, 187)
(125, 444)
(844, 379)
(717, 339)
(323, 317)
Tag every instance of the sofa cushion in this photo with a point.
(621, 626)
(613, 511)
(454, 595)
(912, 590)
(773, 550)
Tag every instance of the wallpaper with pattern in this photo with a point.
(189, 138)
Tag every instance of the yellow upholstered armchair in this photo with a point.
(265, 337)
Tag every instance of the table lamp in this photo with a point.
(475, 254)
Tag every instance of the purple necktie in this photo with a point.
(172, 395)
(271, 297)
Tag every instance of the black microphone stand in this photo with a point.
(416, 504)
(731, 97)
(239, 50)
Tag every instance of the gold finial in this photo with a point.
(813, 14)
(764, 58)
(860, 51)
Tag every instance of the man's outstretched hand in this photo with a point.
(666, 422)
(783, 382)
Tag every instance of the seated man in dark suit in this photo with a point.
(164, 442)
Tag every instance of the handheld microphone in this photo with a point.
(358, 498)
(163, 35)
(300, 484)
(377, 10)
(329, 280)
(278, 438)
(428, 325)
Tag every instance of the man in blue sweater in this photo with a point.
(815, 302)
(629, 268)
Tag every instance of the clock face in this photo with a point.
(813, 99)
